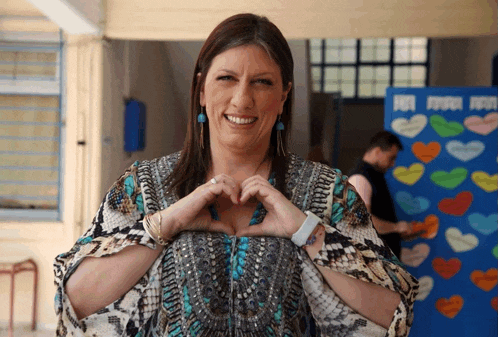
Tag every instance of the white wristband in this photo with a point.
(301, 236)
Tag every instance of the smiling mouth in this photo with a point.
(241, 121)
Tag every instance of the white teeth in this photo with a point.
(238, 120)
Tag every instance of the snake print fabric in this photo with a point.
(209, 284)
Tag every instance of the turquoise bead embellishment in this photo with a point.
(201, 118)
(280, 126)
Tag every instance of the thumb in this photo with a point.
(218, 226)
(254, 230)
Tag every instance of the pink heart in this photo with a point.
(415, 256)
(482, 126)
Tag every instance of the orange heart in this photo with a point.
(426, 153)
(494, 303)
(485, 281)
(428, 228)
(450, 308)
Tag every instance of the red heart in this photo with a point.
(457, 206)
(451, 307)
(494, 303)
(447, 269)
(485, 280)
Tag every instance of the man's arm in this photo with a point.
(364, 189)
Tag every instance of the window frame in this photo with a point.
(358, 63)
(27, 87)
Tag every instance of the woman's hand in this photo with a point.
(190, 213)
(283, 218)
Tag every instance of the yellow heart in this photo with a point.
(485, 181)
(409, 176)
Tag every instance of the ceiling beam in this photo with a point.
(298, 19)
(73, 16)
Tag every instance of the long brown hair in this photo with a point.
(237, 30)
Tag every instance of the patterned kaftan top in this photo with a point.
(212, 284)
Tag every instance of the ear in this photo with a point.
(284, 96)
(202, 98)
(286, 92)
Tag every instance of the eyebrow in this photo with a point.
(256, 75)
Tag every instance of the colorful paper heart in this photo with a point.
(447, 269)
(485, 281)
(425, 284)
(428, 228)
(444, 128)
(426, 153)
(409, 127)
(495, 251)
(457, 206)
(484, 181)
(482, 126)
(415, 256)
(411, 205)
(451, 307)
(459, 242)
(484, 224)
(494, 303)
(409, 176)
(465, 152)
(449, 180)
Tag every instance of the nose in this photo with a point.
(242, 96)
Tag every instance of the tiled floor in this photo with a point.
(25, 331)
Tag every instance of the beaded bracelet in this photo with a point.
(154, 229)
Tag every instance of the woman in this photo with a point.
(232, 236)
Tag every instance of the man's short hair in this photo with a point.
(385, 140)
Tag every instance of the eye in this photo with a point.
(264, 81)
(225, 78)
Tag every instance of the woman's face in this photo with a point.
(243, 95)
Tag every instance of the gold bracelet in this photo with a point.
(154, 229)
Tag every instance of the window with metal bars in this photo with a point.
(362, 69)
(30, 130)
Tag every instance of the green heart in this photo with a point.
(495, 251)
(444, 128)
(449, 180)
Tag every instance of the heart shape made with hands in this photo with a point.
(482, 125)
(416, 255)
(427, 228)
(446, 269)
(410, 175)
(444, 128)
(450, 307)
(465, 152)
(485, 280)
(426, 153)
(459, 242)
(426, 283)
(449, 180)
(485, 181)
(409, 127)
(457, 206)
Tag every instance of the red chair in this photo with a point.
(14, 266)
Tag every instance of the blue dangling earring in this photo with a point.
(201, 118)
(280, 145)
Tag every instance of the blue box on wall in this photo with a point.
(134, 133)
